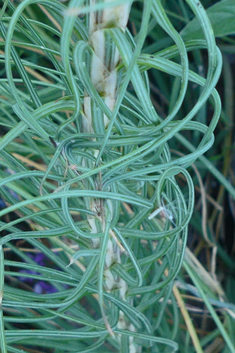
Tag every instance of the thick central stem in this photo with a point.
(103, 73)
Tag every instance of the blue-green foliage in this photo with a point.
(49, 174)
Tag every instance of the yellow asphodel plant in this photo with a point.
(110, 200)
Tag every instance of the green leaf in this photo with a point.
(221, 16)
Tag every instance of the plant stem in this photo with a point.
(104, 76)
